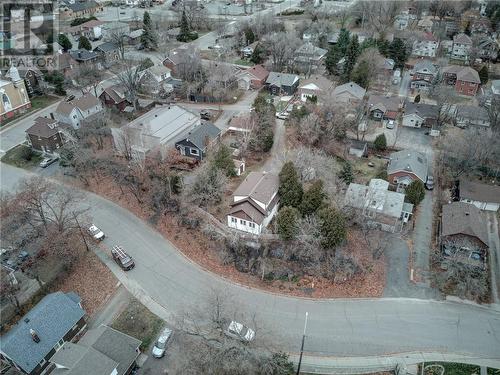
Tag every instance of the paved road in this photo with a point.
(169, 282)
(494, 250)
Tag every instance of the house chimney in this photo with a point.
(34, 336)
(52, 115)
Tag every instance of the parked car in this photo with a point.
(429, 184)
(69, 98)
(282, 115)
(124, 260)
(48, 161)
(22, 256)
(390, 124)
(161, 344)
(96, 233)
(240, 332)
(205, 114)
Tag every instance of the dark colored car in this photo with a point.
(205, 114)
(124, 260)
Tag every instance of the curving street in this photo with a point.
(169, 283)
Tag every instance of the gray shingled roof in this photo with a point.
(477, 191)
(51, 319)
(259, 186)
(421, 109)
(106, 47)
(198, 135)
(425, 65)
(114, 344)
(83, 55)
(464, 218)
(409, 161)
(281, 79)
(81, 360)
(352, 88)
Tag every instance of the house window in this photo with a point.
(42, 362)
(233, 220)
(251, 225)
(194, 152)
(243, 222)
(74, 116)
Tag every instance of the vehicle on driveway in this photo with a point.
(282, 115)
(96, 233)
(240, 332)
(161, 344)
(205, 114)
(429, 184)
(48, 161)
(22, 256)
(124, 260)
(390, 124)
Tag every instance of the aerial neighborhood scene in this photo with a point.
(250, 187)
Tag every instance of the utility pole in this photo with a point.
(81, 232)
(302, 346)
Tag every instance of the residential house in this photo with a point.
(406, 166)
(282, 83)
(425, 24)
(71, 9)
(178, 58)
(480, 26)
(358, 148)
(464, 227)
(74, 111)
(156, 130)
(462, 46)
(316, 86)
(134, 37)
(255, 202)
(464, 78)
(115, 28)
(309, 57)
(115, 97)
(102, 350)
(379, 206)
(253, 78)
(483, 196)
(424, 75)
(495, 87)
(14, 95)
(417, 115)
(349, 93)
(66, 64)
(37, 336)
(383, 107)
(425, 45)
(84, 57)
(90, 29)
(333, 38)
(242, 123)
(198, 141)
(221, 74)
(488, 48)
(404, 20)
(45, 135)
(470, 115)
(155, 79)
(108, 53)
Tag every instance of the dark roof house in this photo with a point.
(198, 140)
(460, 218)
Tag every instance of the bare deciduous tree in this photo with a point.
(209, 185)
(130, 78)
(281, 46)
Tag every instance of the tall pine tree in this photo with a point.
(84, 43)
(350, 58)
(336, 52)
(185, 31)
(148, 38)
(290, 189)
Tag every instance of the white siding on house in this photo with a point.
(243, 225)
(486, 206)
(412, 121)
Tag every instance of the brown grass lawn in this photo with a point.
(137, 321)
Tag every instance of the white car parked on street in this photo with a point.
(240, 332)
(96, 233)
(161, 344)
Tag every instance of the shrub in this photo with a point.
(26, 153)
(313, 198)
(332, 226)
(415, 192)
(290, 189)
(287, 223)
(380, 142)
(346, 173)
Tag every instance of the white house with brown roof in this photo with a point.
(462, 45)
(426, 44)
(255, 202)
(74, 111)
(315, 86)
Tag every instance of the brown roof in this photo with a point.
(322, 82)
(116, 92)
(43, 127)
(248, 210)
(462, 39)
(64, 107)
(260, 186)
(85, 102)
(464, 218)
(242, 121)
(463, 73)
(85, 25)
(258, 71)
(479, 192)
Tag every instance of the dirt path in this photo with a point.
(278, 151)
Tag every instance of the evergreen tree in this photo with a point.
(380, 142)
(64, 42)
(336, 52)
(185, 30)
(84, 43)
(287, 223)
(343, 41)
(312, 198)
(483, 75)
(346, 174)
(417, 99)
(249, 36)
(258, 54)
(332, 227)
(290, 189)
(361, 74)
(223, 160)
(415, 192)
(397, 51)
(350, 58)
(148, 38)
